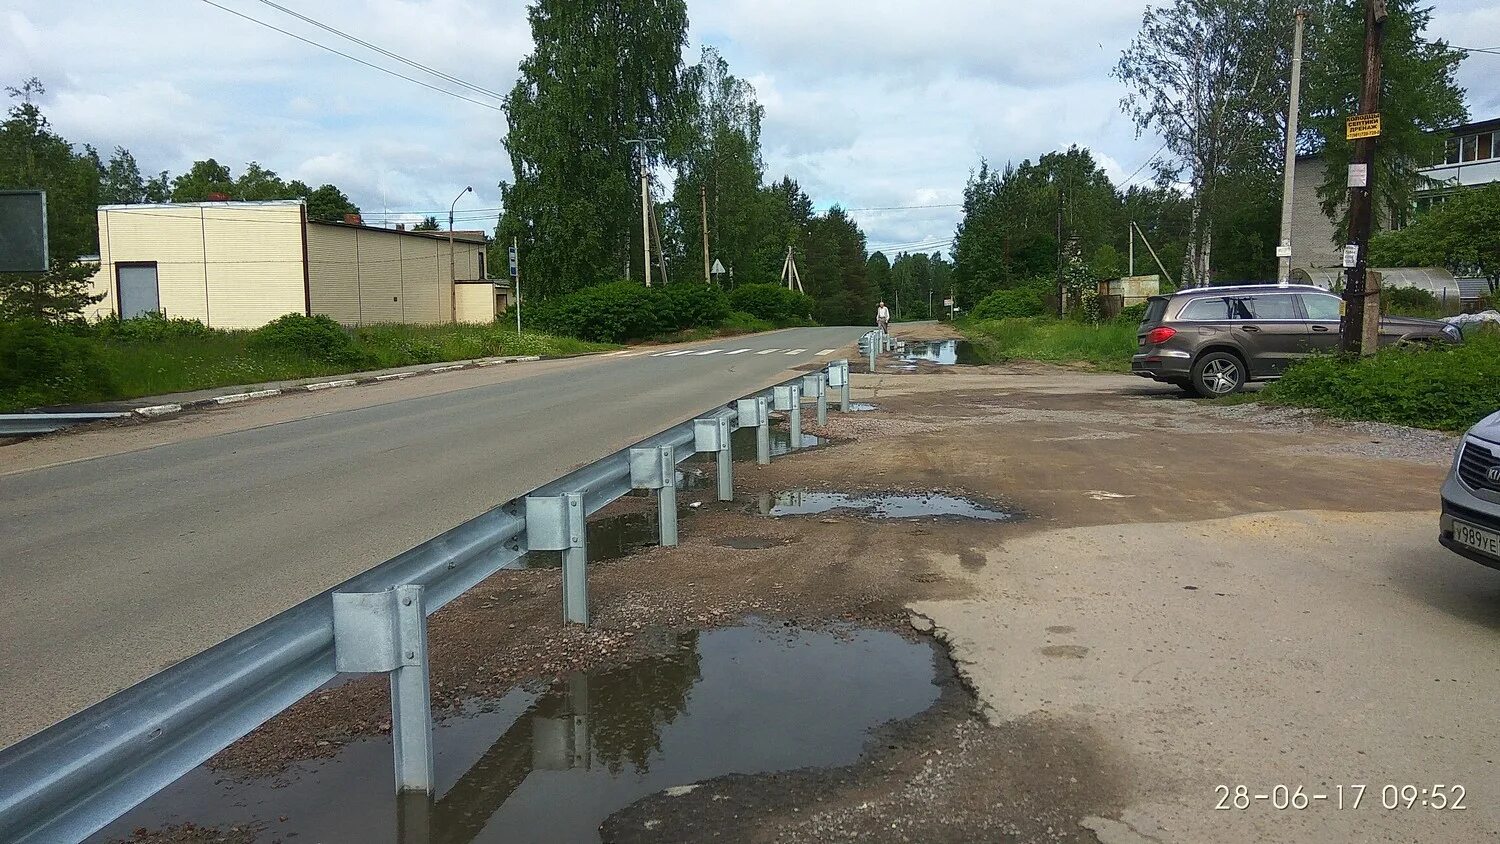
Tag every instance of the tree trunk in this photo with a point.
(1205, 270)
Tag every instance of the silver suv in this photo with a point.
(1213, 340)
(1471, 496)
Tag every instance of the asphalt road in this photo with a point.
(124, 551)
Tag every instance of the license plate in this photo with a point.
(1481, 540)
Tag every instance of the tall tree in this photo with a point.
(428, 224)
(329, 204)
(835, 270)
(120, 181)
(1462, 234)
(601, 72)
(1206, 75)
(1419, 97)
(878, 271)
(258, 184)
(203, 180)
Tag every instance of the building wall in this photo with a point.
(363, 276)
(478, 302)
(228, 265)
(1313, 238)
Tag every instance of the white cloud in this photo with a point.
(869, 103)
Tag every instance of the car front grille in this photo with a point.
(1475, 466)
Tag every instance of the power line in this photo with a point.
(1492, 50)
(429, 86)
(387, 53)
(1131, 177)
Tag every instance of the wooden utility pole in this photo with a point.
(1363, 130)
(642, 145)
(708, 271)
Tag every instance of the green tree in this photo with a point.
(1419, 97)
(329, 204)
(32, 156)
(601, 72)
(120, 181)
(878, 272)
(257, 184)
(428, 224)
(1462, 234)
(835, 270)
(203, 180)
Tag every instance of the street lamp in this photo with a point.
(452, 263)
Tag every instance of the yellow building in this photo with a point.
(239, 265)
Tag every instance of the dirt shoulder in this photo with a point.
(1194, 597)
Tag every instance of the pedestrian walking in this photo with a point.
(883, 317)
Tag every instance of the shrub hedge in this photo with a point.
(1011, 303)
(42, 364)
(773, 303)
(318, 338)
(615, 313)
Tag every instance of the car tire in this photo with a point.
(1218, 374)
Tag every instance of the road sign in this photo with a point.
(718, 268)
(1362, 126)
(1283, 251)
(947, 303)
(515, 262)
(23, 231)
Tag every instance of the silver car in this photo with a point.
(1471, 496)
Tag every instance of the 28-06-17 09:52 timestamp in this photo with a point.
(1391, 797)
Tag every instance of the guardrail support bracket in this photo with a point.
(386, 632)
(838, 376)
(560, 523)
(656, 468)
(816, 385)
(757, 412)
(789, 399)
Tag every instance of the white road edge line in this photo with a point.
(707, 353)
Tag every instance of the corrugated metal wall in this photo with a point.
(363, 276)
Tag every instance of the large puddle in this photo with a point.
(617, 536)
(942, 353)
(551, 766)
(744, 447)
(924, 505)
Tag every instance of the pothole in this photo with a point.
(552, 765)
(884, 506)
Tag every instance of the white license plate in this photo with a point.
(1484, 541)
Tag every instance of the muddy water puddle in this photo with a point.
(621, 535)
(942, 353)
(884, 506)
(551, 765)
(744, 447)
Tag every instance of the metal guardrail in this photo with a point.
(27, 424)
(70, 780)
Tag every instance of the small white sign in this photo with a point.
(947, 303)
(1351, 256)
(1283, 251)
(718, 268)
(1359, 175)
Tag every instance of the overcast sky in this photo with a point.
(869, 103)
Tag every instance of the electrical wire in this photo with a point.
(387, 53)
(1131, 177)
(427, 85)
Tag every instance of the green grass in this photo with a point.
(1446, 388)
(1107, 346)
(226, 358)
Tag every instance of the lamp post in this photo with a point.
(452, 263)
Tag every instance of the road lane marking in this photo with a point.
(737, 352)
(707, 353)
(678, 354)
(768, 351)
(826, 352)
(796, 352)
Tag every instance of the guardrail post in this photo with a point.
(789, 400)
(386, 632)
(561, 524)
(656, 468)
(712, 435)
(816, 385)
(757, 412)
(838, 376)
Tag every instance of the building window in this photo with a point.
(1470, 145)
(1486, 149)
(1452, 153)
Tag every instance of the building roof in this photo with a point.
(1479, 126)
(461, 236)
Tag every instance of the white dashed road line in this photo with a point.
(767, 351)
(826, 352)
(707, 353)
(796, 351)
(737, 352)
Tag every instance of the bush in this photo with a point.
(773, 303)
(153, 327)
(739, 322)
(693, 304)
(1012, 303)
(317, 338)
(609, 313)
(1443, 387)
(1409, 301)
(1132, 314)
(42, 364)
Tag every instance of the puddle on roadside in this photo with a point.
(552, 766)
(743, 440)
(618, 536)
(884, 506)
(862, 407)
(942, 353)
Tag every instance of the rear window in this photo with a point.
(1155, 310)
(1207, 309)
(1321, 307)
(1271, 306)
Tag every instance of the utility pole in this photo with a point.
(708, 272)
(1288, 181)
(1363, 130)
(1130, 233)
(515, 276)
(641, 146)
(452, 262)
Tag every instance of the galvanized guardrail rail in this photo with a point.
(28, 424)
(70, 780)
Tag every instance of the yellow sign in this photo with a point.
(1362, 126)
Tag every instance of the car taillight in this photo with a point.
(1157, 336)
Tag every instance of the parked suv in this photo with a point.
(1212, 340)
(1471, 496)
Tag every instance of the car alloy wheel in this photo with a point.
(1221, 376)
